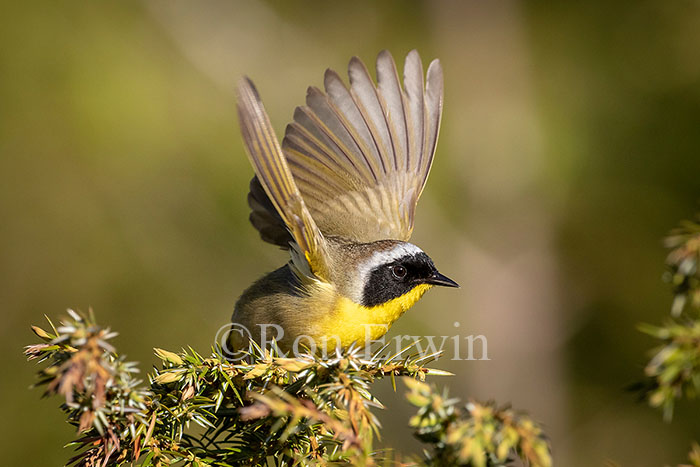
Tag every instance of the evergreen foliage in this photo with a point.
(673, 372)
(267, 410)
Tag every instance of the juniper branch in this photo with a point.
(264, 410)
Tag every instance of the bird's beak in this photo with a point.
(438, 279)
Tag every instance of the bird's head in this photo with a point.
(387, 270)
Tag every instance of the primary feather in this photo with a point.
(361, 155)
(271, 169)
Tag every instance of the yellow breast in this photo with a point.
(350, 322)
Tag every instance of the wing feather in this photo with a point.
(413, 84)
(265, 217)
(433, 105)
(389, 88)
(341, 99)
(315, 121)
(364, 93)
(356, 158)
(275, 177)
(361, 155)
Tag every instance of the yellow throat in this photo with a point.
(350, 322)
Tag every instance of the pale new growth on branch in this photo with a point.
(266, 410)
(673, 372)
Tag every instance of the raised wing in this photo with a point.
(274, 176)
(361, 155)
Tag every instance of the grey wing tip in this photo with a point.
(331, 76)
(384, 53)
(435, 65)
(413, 65)
(287, 131)
(311, 90)
(355, 62)
(298, 113)
(330, 73)
(385, 59)
(413, 54)
(245, 80)
(246, 84)
(435, 76)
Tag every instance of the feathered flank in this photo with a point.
(275, 177)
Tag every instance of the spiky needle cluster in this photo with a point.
(266, 410)
(673, 371)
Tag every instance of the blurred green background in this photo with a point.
(570, 145)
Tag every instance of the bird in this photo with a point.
(340, 194)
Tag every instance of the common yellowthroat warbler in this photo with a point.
(340, 194)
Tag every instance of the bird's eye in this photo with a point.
(399, 271)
